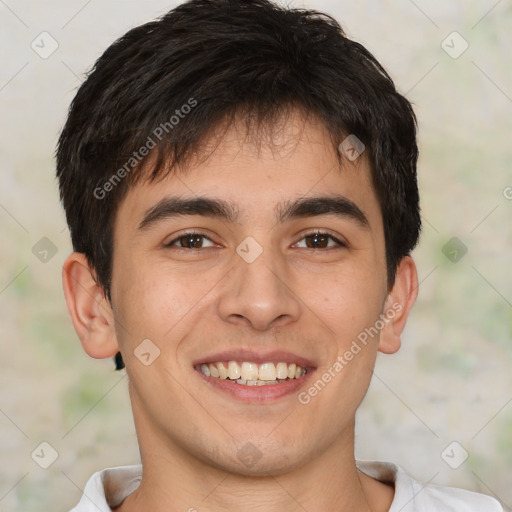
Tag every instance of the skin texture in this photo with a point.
(312, 302)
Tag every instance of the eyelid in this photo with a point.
(187, 233)
(319, 231)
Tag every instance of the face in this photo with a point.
(285, 269)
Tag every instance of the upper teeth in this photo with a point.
(248, 371)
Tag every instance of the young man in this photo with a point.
(239, 180)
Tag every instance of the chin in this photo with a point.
(259, 458)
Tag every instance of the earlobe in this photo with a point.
(398, 305)
(90, 311)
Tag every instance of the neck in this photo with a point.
(169, 487)
(174, 479)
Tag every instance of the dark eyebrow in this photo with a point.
(177, 206)
(216, 208)
(315, 206)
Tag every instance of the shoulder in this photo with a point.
(414, 496)
(108, 488)
(451, 499)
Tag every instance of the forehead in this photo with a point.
(260, 171)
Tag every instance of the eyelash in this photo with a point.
(306, 235)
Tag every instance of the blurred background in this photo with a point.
(441, 407)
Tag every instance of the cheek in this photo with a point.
(148, 305)
(161, 304)
(350, 308)
(351, 302)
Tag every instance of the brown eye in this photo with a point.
(188, 241)
(318, 240)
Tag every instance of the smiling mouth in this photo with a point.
(252, 374)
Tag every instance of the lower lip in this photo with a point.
(265, 393)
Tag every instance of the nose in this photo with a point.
(260, 294)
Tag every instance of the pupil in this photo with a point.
(191, 238)
(316, 239)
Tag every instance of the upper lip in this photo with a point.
(256, 356)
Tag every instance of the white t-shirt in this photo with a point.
(110, 487)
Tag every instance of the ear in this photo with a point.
(90, 311)
(398, 304)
